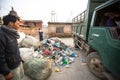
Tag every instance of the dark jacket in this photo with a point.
(111, 23)
(9, 51)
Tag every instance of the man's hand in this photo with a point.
(9, 76)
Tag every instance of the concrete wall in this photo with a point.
(67, 29)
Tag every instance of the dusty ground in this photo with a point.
(67, 41)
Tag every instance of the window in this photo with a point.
(59, 29)
(104, 12)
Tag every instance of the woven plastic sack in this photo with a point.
(26, 53)
(37, 69)
(30, 41)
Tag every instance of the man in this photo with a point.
(10, 61)
(111, 22)
(40, 34)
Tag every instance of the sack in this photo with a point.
(26, 53)
(22, 36)
(29, 41)
(37, 69)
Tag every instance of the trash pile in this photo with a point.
(57, 51)
(52, 50)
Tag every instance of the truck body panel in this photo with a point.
(85, 17)
(107, 47)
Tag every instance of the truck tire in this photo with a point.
(95, 65)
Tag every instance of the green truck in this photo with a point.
(100, 43)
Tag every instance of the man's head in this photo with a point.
(11, 21)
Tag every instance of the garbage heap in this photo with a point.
(51, 51)
(56, 51)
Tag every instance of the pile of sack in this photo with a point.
(35, 68)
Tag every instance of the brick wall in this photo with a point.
(29, 31)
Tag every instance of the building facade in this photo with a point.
(31, 27)
(59, 29)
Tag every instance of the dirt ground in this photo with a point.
(68, 41)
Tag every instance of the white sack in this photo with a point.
(22, 36)
(30, 41)
(26, 53)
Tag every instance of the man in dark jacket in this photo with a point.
(110, 22)
(10, 61)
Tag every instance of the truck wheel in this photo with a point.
(95, 65)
